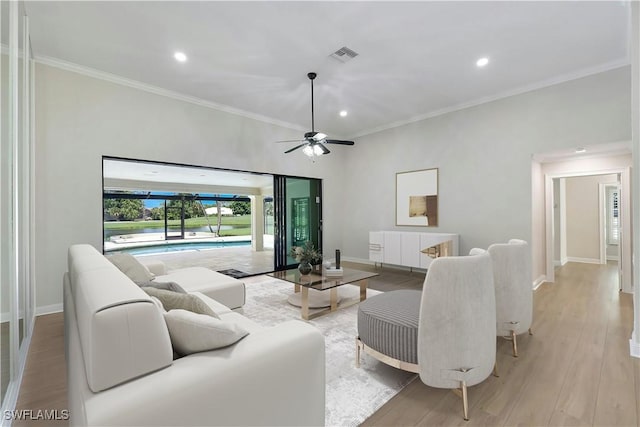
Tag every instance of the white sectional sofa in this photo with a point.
(121, 369)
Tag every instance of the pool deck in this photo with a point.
(242, 258)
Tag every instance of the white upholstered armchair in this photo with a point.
(456, 338)
(446, 333)
(514, 294)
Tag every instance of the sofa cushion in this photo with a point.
(130, 266)
(193, 333)
(214, 305)
(222, 288)
(174, 300)
(167, 286)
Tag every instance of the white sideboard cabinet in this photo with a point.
(416, 250)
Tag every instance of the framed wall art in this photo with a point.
(417, 198)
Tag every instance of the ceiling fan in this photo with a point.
(314, 143)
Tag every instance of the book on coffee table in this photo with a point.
(333, 272)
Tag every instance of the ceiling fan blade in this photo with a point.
(295, 148)
(325, 150)
(290, 140)
(337, 141)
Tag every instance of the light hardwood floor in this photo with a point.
(574, 370)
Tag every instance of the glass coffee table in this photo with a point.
(318, 281)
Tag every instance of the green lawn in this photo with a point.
(190, 222)
(242, 225)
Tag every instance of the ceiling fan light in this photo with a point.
(319, 136)
(317, 150)
(308, 151)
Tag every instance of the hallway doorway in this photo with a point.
(586, 220)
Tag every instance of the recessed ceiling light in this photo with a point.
(482, 62)
(343, 113)
(180, 57)
(581, 150)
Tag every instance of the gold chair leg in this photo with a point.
(495, 369)
(530, 333)
(515, 343)
(465, 403)
(357, 352)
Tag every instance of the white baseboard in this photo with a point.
(557, 263)
(539, 281)
(5, 317)
(563, 261)
(398, 267)
(358, 260)
(48, 309)
(634, 348)
(584, 260)
(613, 258)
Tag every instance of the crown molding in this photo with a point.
(102, 75)
(518, 91)
(113, 78)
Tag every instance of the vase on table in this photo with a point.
(304, 267)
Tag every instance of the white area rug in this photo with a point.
(352, 394)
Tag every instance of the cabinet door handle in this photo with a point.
(375, 246)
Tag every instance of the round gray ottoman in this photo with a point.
(388, 323)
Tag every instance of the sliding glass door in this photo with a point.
(174, 220)
(17, 293)
(298, 216)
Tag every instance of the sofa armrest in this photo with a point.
(273, 376)
(156, 267)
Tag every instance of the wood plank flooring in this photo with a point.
(574, 370)
(44, 383)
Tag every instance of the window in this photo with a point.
(613, 215)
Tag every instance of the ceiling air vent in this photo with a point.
(343, 54)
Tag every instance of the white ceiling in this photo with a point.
(415, 58)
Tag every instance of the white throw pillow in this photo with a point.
(130, 266)
(177, 301)
(192, 333)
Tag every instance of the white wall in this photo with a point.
(484, 158)
(583, 216)
(79, 119)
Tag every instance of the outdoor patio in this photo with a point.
(241, 258)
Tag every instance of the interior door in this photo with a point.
(298, 217)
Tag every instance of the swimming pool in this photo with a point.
(178, 247)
